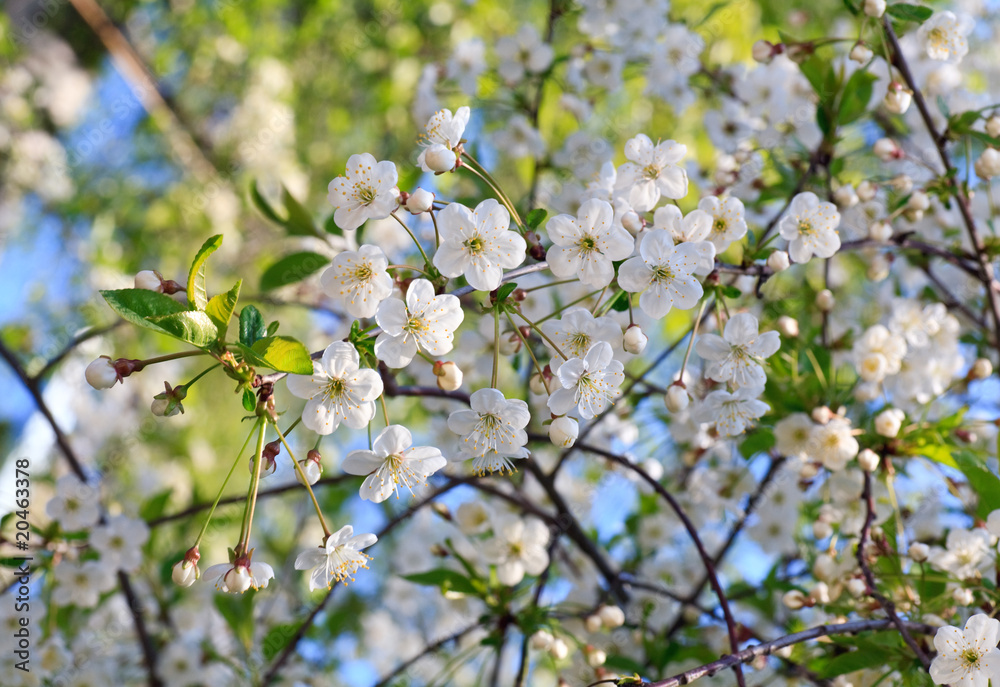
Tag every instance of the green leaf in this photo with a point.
(759, 440)
(504, 291)
(192, 326)
(857, 93)
(251, 326)
(330, 227)
(238, 612)
(300, 221)
(905, 12)
(136, 305)
(536, 217)
(249, 402)
(262, 204)
(277, 639)
(861, 658)
(445, 579)
(943, 107)
(278, 353)
(196, 291)
(292, 268)
(221, 306)
(983, 482)
(620, 303)
(730, 291)
(155, 507)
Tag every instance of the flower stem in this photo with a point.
(543, 335)
(218, 497)
(568, 305)
(694, 333)
(427, 261)
(252, 491)
(302, 476)
(538, 368)
(200, 375)
(172, 356)
(496, 346)
(481, 172)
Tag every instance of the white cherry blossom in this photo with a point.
(736, 356)
(652, 171)
(337, 391)
(366, 191)
(663, 273)
(943, 37)
(693, 228)
(236, 578)
(493, 423)
(478, 244)
(443, 129)
(733, 412)
(578, 330)
(518, 548)
(337, 560)
(810, 227)
(393, 461)
(586, 245)
(424, 322)
(727, 221)
(589, 384)
(968, 657)
(358, 280)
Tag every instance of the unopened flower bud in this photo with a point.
(919, 551)
(898, 98)
(982, 368)
(611, 616)
(845, 196)
(541, 383)
(509, 344)
(778, 261)
(168, 403)
(313, 470)
(763, 51)
(420, 201)
(868, 460)
(889, 422)
(634, 340)
(866, 191)
(885, 149)
(857, 587)
(676, 398)
(918, 201)
(820, 593)
(861, 53)
(963, 596)
(822, 529)
(596, 657)
(563, 431)
(268, 457)
(541, 640)
(825, 300)
(788, 326)
(988, 164)
(822, 415)
(878, 268)
(901, 183)
(874, 8)
(101, 374)
(592, 623)
(795, 600)
(185, 571)
(993, 126)
(632, 222)
(149, 280)
(558, 649)
(439, 158)
(824, 567)
(880, 231)
(449, 375)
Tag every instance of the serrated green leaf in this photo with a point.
(730, 291)
(278, 353)
(300, 221)
(447, 580)
(758, 440)
(221, 306)
(906, 12)
(251, 326)
(155, 506)
(857, 93)
(292, 268)
(536, 217)
(136, 305)
(272, 328)
(193, 327)
(859, 659)
(196, 291)
(621, 301)
(249, 402)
